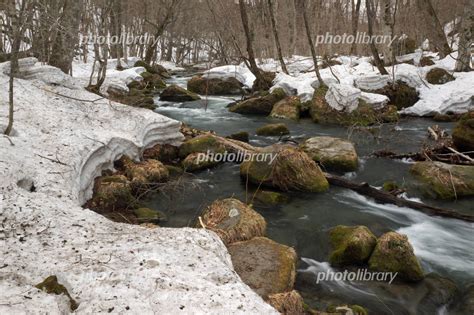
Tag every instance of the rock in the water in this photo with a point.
(174, 93)
(371, 82)
(393, 253)
(273, 130)
(165, 153)
(332, 153)
(287, 108)
(444, 181)
(240, 136)
(153, 81)
(343, 97)
(291, 169)
(352, 245)
(201, 144)
(196, 162)
(466, 306)
(287, 303)
(270, 197)
(259, 105)
(154, 69)
(439, 76)
(233, 220)
(214, 86)
(264, 265)
(147, 215)
(463, 133)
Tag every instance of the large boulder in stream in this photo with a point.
(351, 245)
(444, 181)
(273, 130)
(286, 168)
(264, 265)
(332, 153)
(201, 144)
(393, 253)
(259, 105)
(174, 93)
(463, 133)
(215, 86)
(287, 108)
(233, 220)
(354, 112)
(153, 69)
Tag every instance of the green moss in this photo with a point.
(174, 170)
(214, 86)
(201, 144)
(463, 133)
(390, 186)
(439, 76)
(174, 93)
(240, 136)
(351, 245)
(270, 197)
(147, 215)
(112, 193)
(359, 310)
(288, 108)
(51, 286)
(273, 130)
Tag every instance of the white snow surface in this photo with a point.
(63, 138)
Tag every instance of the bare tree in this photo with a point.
(310, 42)
(466, 38)
(375, 53)
(355, 10)
(275, 35)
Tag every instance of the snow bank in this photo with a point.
(343, 97)
(240, 72)
(63, 138)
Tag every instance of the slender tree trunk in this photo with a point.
(463, 63)
(375, 53)
(311, 45)
(436, 33)
(387, 27)
(355, 23)
(277, 39)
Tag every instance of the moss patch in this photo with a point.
(273, 130)
(287, 108)
(174, 93)
(201, 144)
(400, 94)
(147, 215)
(352, 245)
(439, 76)
(270, 197)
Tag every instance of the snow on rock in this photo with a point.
(410, 74)
(170, 66)
(377, 101)
(64, 138)
(299, 85)
(343, 97)
(453, 97)
(240, 72)
(371, 82)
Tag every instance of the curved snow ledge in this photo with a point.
(64, 138)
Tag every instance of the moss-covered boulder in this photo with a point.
(265, 83)
(351, 245)
(287, 303)
(197, 161)
(287, 108)
(264, 265)
(240, 136)
(147, 215)
(393, 253)
(426, 61)
(153, 81)
(291, 169)
(444, 181)
(136, 97)
(463, 133)
(267, 197)
(439, 76)
(174, 93)
(201, 144)
(332, 153)
(400, 94)
(112, 193)
(363, 115)
(145, 174)
(273, 130)
(153, 69)
(233, 220)
(259, 105)
(51, 286)
(215, 86)
(165, 153)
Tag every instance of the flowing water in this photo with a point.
(444, 246)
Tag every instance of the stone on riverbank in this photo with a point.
(201, 144)
(240, 136)
(264, 265)
(292, 169)
(111, 193)
(444, 181)
(287, 303)
(332, 153)
(352, 245)
(214, 86)
(393, 253)
(400, 94)
(463, 133)
(233, 220)
(174, 93)
(439, 76)
(193, 163)
(287, 108)
(145, 174)
(273, 130)
(259, 105)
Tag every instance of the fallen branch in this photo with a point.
(385, 197)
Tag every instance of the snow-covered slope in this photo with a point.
(63, 137)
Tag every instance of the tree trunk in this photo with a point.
(375, 53)
(355, 23)
(436, 33)
(311, 45)
(387, 27)
(277, 40)
(463, 63)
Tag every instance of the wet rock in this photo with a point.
(174, 93)
(152, 81)
(393, 253)
(273, 130)
(147, 215)
(444, 181)
(291, 169)
(352, 245)
(264, 265)
(134, 97)
(196, 162)
(439, 76)
(112, 192)
(287, 303)
(52, 286)
(154, 69)
(240, 136)
(287, 108)
(145, 174)
(201, 144)
(233, 220)
(466, 305)
(215, 86)
(436, 292)
(270, 197)
(332, 153)
(165, 153)
(400, 94)
(259, 105)
(463, 133)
